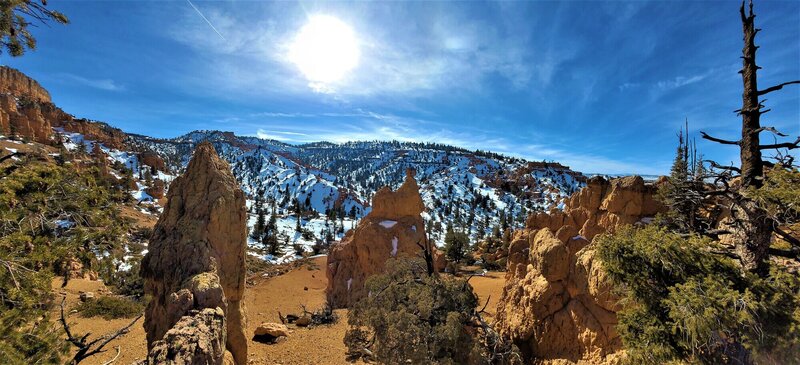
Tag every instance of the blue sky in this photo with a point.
(600, 86)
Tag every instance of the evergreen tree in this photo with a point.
(258, 228)
(456, 245)
(14, 34)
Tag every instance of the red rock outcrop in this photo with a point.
(27, 111)
(32, 119)
(557, 305)
(17, 83)
(156, 190)
(602, 206)
(153, 160)
(196, 260)
(393, 228)
(25, 107)
(96, 131)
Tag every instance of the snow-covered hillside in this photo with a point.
(467, 190)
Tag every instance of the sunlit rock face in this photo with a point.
(557, 305)
(602, 206)
(17, 83)
(196, 262)
(394, 228)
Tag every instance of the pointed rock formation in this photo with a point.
(196, 264)
(394, 228)
(557, 305)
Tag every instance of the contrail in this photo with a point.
(206, 19)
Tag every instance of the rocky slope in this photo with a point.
(195, 268)
(557, 305)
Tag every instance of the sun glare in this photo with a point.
(325, 49)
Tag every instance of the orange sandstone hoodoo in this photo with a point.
(557, 305)
(195, 268)
(394, 228)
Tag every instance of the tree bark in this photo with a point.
(750, 153)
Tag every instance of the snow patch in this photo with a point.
(388, 223)
(394, 246)
(349, 282)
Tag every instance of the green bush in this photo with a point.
(412, 317)
(110, 307)
(684, 303)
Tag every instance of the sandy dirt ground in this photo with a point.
(304, 285)
(488, 287)
(133, 345)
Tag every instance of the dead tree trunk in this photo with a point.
(750, 227)
(752, 165)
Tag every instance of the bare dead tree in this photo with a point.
(427, 255)
(86, 347)
(750, 225)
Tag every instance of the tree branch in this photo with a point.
(770, 129)
(789, 145)
(721, 167)
(787, 237)
(723, 141)
(789, 254)
(777, 87)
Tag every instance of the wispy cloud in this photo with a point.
(283, 136)
(679, 81)
(101, 84)
(457, 51)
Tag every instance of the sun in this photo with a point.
(325, 49)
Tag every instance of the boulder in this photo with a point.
(393, 228)
(303, 321)
(196, 256)
(271, 329)
(86, 296)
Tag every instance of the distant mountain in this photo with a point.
(472, 190)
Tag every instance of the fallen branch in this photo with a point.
(94, 347)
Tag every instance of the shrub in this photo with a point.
(682, 302)
(415, 318)
(110, 307)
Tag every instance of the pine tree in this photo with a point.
(258, 228)
(456, 244)
(14, 34)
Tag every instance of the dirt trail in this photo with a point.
(304, 285)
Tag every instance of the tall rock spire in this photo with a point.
(195, 266)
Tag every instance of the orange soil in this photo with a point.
(267, 296)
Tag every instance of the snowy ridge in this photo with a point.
(472, 191)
